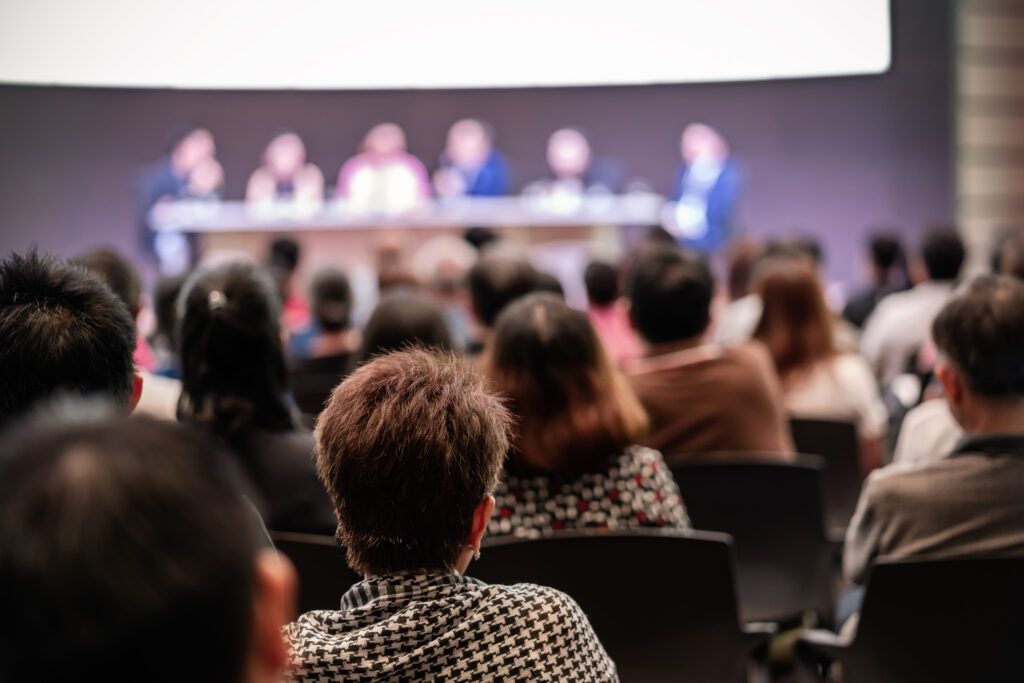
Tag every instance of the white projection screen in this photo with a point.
(391, 44)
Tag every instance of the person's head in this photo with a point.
(469, 143)
(742, 256)
(568, 153)
(795, 322)
(670, 295)
(384, 140)
(118, 272)
(190, 147)
(165, 300)
(701, 140)
(980, 338)
(942, 254)
(330, 298)
(229, 337)
(285, 155)
(62, 330)
(886, 254)
(602, 283)
(496, 280)
(403, 318)
(409, 447)
(1008, 258)
(575, 407)
(127, 553)
(546, 282)
(284, 253)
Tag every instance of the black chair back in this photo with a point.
(663, 602)
(773, 511)
(324, 576)
(836, 441)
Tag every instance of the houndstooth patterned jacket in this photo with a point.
(447, 627)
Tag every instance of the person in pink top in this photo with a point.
(609, 313)
(383, 177)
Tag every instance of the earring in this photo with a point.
(476, 554)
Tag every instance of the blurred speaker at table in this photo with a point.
(470, 165)
(575, 173)
(285, 175)
(383, 177)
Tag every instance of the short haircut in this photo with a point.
(886, 251)
(496, 280)
(330, 298)
(670, 292)
(117, 271)
(1008, 258)
(602, 283)
(407, 447)
(165, 302)
(233, 370)
(61, 331)
(546, 282)
(126, 553)
(943, 255)
(575, 407)
(402, 318)
(981, 333)
(284, 253)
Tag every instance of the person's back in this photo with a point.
(410, 447)
(701, 398)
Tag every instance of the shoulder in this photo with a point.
(539, 604)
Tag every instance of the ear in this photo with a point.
(481, 515)
(952, 385)
(136, 392)
(273, 608)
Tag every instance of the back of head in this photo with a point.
(229, 337)
(886, 251)
(795, 321)
(126, 554)
(330, 297)
(408, 445)
(117, 271)
(981, 333)
(284, 254)
(1009, 256)
(943, 255)
(496, 280)
(575, 407)
(165, 302)
(670, 292)
(602, 282)
(403, 318)
(743, 256)
(61, 330)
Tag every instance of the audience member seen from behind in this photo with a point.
(496, 280)
(410, 447)
(969, 502)
(162, 340)
(283, 258)
(284, 174)
(818, 381)
(234, 384)
(62, 331)
(327, 344)
(575, 462)
(127, 553)
(470, 165)
(159, 397)
(383, 176)
(740, 314)
(403, 318)
(888, 275)
(702, 399)
(900, 324)
(609, 312)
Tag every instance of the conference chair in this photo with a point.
(836, 441)
(662, 602)
(324, 575)
(773, 511)
(940, 621)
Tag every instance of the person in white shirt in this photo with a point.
(899, 326)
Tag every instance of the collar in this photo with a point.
(990, 444)
(406, 586)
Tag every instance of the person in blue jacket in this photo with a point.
(706, 190)
(470, 165)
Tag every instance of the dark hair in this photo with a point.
(117, 271)
(407, 447)
(886, 251)
(284, 254)
(809, 246)
(670, 292)
(495, 281)
(182, 133)
(576, 408)
(795, 324)
(981, 332)
(233, 368)
(330, 297)
(126, 553)
(61, 330)
(743, 255)
(943, 255)
(402, 318)
(546, 282)
(165, 309)
(602, 282)
(1008, 258)
(479, 237)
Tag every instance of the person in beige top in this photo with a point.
(971, 502)
(701, 398)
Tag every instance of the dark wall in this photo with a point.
(828, 156)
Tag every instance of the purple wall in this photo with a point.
(828, 156)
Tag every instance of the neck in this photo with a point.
(997, 417)
(330, 343)
(662, 348)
